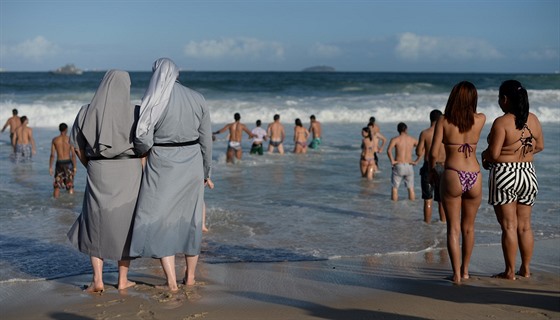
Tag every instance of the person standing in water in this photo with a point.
(65, 167)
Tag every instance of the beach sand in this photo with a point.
(400, 286)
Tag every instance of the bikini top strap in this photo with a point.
(466, 148)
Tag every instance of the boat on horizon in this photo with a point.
(69, 69)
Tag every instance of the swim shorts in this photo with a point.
(64, 175)
(315, 143)
(429, 190)
(402, 171)
(257, 148)
(512, 181)
(23, 152)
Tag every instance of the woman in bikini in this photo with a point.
(367, 158)
(460, 187)
(513, 140)
(300, 137)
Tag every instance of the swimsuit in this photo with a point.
(526, 142)
(466, 178)
(257, 148)
(315, 143)
(512, 181)
(402, 171)
(64, 175)
(275, 143)
(234, 145)
(23, 152)
(429, 190)
(303, 144)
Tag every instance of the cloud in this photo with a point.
(324, 50)
(236, 47)
(416, 47)
(34, 49)
(544, 54)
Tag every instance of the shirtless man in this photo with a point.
(402, 162)
(65, 162)
(236, 129)
(315, 130)
(13, 122)
(430, 180)
(376, 136)
(23, 142)
(276, 134)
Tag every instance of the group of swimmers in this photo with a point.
(275, 134)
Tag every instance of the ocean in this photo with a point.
(270, 208)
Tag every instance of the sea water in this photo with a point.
(273, 207)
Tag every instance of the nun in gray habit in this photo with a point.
(174, 129)
(102, 138)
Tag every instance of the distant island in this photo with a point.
(68, 69)
(319, 69)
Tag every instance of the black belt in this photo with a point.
(119, 157)
(177, 144)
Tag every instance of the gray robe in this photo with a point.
(105, 128)
(168, 217)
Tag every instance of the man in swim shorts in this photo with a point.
(402, 162)
(23, 142)
(430, 180)
(236, 129)
(65, 167)
(276, 133)
(259, 135)
(315, 130)
(13, 122)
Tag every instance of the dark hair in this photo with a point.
(518, 101)
(312, 117)
(23, 119)
(401, 127)
(461, 106)
(63, 126)
(368, 130)
(258, 123)
(434, 115)
(276, 116)
(236, 116)
(371, 121)
(14, 111)
(298, 123)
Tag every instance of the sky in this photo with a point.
(496, 36)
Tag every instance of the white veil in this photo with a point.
(156, 97)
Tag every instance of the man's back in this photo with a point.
(23, 135)
(403, 148)
(62, 147)
(315, 129)
(276, 131)
(236, 131)
(425, 142)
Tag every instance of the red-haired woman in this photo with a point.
(461, 184)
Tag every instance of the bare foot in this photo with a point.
(94, 289)
(523, 274)
(127, 285)
(204, 229)
(165, 287)
(456, 279)
(504, 275)
(465, 277)
(189, 282)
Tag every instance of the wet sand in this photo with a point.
(404, 286)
